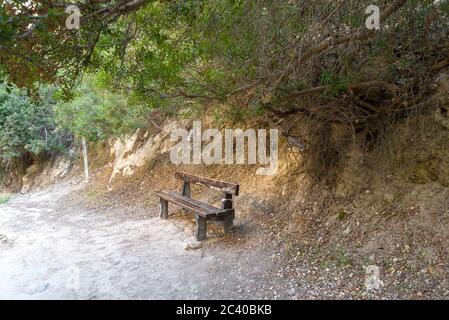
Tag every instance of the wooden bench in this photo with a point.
(203, 211)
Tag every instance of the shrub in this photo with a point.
(28, 126)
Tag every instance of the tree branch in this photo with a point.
(353, 87)
(356, 36)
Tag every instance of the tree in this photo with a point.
(96, 113)
(259, 55)
(28, 127)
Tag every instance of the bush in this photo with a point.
(27, 126)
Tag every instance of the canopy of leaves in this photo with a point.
(35, 44)
(314, 59)
(257, 55)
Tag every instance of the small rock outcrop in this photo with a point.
(44, 174)
(135, 151)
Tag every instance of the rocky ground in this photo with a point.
(55, 246)
(291, 240)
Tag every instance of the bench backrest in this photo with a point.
(226, 187)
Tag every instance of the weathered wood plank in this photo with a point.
(207, 206)
(186, 189)
(226, 201)
(224, 186)
(196, 206)
(164, 209)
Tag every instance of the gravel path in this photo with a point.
(51, 247)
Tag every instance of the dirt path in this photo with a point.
(53, 248)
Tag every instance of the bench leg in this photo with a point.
(228, 222)
(201, 228)
(164, 209)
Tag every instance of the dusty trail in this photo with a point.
(52, 248)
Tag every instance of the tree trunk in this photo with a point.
(85, 160)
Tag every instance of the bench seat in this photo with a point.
(203, 209)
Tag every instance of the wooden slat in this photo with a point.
(204, 205)
(196, 206)
(207, 182)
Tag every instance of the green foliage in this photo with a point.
(96, 113)
(179, 50)
(336, 83)
(343, 258)
(245, 56)
(28, 126)
(47, 122)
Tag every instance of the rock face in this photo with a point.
(40, 175)
(135, 151)
(128, 152)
